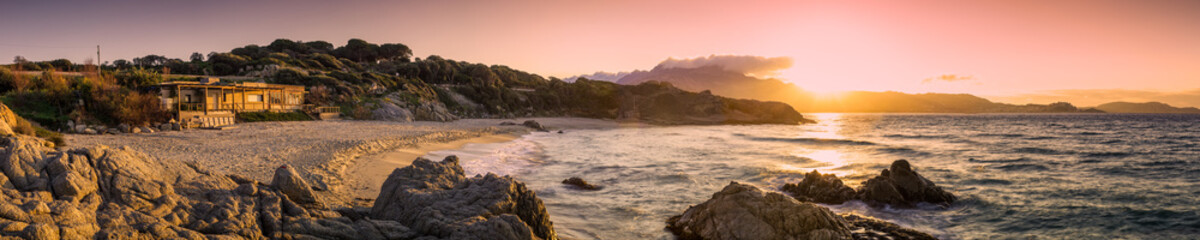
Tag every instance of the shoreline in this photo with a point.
(367, 174)
(328, 154)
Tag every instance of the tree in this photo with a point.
(138, 77)
(197, 57)
(395, 51)
(150, 61)
(122, 64)
(319, 47)
(358, 50)
(62, 64)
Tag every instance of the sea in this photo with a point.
(1017, 176)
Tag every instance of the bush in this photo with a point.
(272, 117)
(10, 81)
(116, 105)
(138, 77)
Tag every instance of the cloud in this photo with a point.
(757, 66)
(949, 78)
(602, 76)
(1093, 97)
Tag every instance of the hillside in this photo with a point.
(1147, 107)
(367, 80)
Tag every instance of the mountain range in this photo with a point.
(733, 84)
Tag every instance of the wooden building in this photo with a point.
(210, 103)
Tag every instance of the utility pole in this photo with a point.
(98, 62)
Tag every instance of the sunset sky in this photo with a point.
(1015, 51)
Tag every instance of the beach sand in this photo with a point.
(369, 172)
(350, 158)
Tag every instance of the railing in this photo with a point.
(191, 106)
(315, 109)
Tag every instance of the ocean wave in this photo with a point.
(1007, 160)
(815, 141)
(917, 136)
(1023, 167)
(1036, 150)
(1004, 135)
(1107, 154)
(986, 181)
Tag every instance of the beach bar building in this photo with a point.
(210, 103)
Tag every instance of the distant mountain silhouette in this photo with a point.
(738, 85)
(1147, 107)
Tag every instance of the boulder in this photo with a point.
(135, 130)
(387, 111)
(741, 211)
(89, 131)
(901, 186)
(534, 125)
(433, 111)
(436, 199)
(146, 129)
(580, 184)
(289, 182)
(820, 188)
(124, 128)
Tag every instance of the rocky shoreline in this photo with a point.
(741, 211)
(119, 193)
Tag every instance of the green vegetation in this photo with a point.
(356, 77)
(272, 116)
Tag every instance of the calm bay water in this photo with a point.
(1049, 176)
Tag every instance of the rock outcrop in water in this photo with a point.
(581, 184)
(820, 188)
(534, 125)
(437, 199)
(741, 211)
(898, 186)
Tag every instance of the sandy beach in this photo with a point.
(351, 158)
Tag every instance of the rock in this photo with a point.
(124, 128)
(437, 199)
(507, 123)
(319, 183)
(560, 132)
(22, 162)
(146, 129)
(289, 182)
(581, 184)
(8, 119)
(742, 211)
(433, 111)
(900, 186)
(390, 112)
(164, 127)
(870, 228)
(135, 130)
(534, 125)
(89, 131)
(820, 188)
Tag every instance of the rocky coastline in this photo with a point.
(742, 211)
(119, 193)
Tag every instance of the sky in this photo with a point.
(1016, 50)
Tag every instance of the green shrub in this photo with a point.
(138, 77)
(272, 117)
